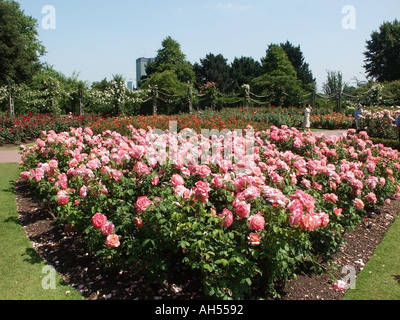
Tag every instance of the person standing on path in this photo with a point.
(357, 114)
(307, 117)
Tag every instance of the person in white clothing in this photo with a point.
(307, 117)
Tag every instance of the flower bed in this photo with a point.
(380, 123)
(17, 129)
(242, 209)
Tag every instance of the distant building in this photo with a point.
(130, 85)
(141, 64)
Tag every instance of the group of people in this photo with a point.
(357, 114)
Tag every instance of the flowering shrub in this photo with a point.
(242, 209)
(17, 129)
(381, 123)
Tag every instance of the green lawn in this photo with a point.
(380, 278)
(23, 274)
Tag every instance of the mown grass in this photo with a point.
(23, 275)
(380, 278)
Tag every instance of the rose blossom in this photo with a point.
(142, 203)
(138, 222)
(62, 197)
(227, 216)
(83, 191)
(39, 173)
(177, 180)
(25, 175)
(202, 189)
(242, 209)
(155, 180)
(338, 212)
(99, 220)
(113, 241)
(107, 228)
(358, 204)
(371, 197)
(254, 239)
(257, 222)
(331, 197)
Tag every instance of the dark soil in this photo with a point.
(66, 252)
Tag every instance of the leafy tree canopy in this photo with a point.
(20, 49)
(279, 80)
(214, 68)
(382, 58)
(296, 57)
(244, 70)
(171, 57)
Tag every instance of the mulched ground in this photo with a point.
(65, 251)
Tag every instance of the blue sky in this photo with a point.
(99, 38)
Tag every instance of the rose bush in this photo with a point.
(242, 211)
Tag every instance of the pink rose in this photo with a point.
(155, 180)
(371, 197)
(138, 222)
(203, 171)
(324, 219)
(107, 228)
(295, 218)
(202, 189)
(39, 173)
(62, 197)
(142, 203)
(227, 216)
(358, 204)
(254, 239)
(53, 164)
(83, 191)
(112, 241)
(242, 209)
(310, 222)
(99, 220)
(257, 222)
(338, 212)
(25, 175)
(88, 131)
(141, 168)
(177, 180)
(330, 197)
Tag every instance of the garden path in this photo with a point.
(9, 156)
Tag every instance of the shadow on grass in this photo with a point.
(12, 220)
(11, 188)
(32, 256)
(397, 278)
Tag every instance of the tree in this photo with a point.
(244, 70)
(302, 68)
(382, 58)
(279, 80)
(168, 92)
(214, 68)
(334, 83)
(171, 57)
(336, 87)
(20, 49)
